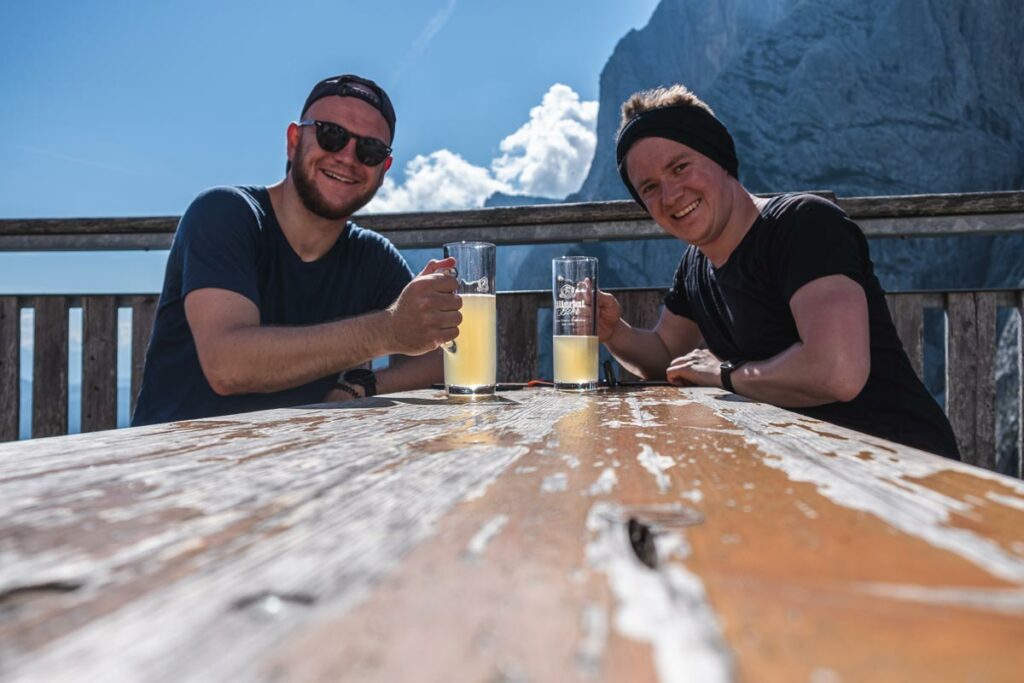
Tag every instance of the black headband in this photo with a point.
(692, 126)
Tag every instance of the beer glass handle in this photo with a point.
(450, 346)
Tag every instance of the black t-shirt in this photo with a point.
(742, 310)
(229, 238)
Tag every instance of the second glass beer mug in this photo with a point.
(574, 302)
(471, 361)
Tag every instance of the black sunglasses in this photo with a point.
(332, 138)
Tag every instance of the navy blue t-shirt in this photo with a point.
(742, 310)
(229, 238)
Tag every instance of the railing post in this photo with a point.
(908, 316)
(143, 313)
(970, 375)
(1020, 385)
(640, 308)
(50, 367)
(10, 365)
(99, 363)
(517, 335)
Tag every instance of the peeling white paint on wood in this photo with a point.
(555, 483)
(1009, 501)
(666, 607)
(641, 418)
(281, 503)
(694, 495)
(805, 509)
(478, 544)
(239, 536)
(1001, 600)
(656, 464)
(861, 472)
(605, 483)
(595, 639)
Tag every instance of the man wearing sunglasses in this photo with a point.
(272, 296)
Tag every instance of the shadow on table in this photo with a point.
(733, 398)
(391, 401)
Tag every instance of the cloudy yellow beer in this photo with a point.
(575, 361)
(472, 368)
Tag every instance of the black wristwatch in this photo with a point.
(360, 377)
(727, 369)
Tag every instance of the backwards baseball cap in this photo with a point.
(348, 85)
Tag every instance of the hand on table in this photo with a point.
(699, 368)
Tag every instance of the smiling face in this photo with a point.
(336, 185)
(688, 195)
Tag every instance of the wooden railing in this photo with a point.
(899, 216)
(50, 359)
(970, 353)
(971, 316)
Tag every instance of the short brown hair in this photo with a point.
(673, 96)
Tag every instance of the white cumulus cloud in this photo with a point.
(441, 181)
(548, 156)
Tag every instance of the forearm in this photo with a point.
(795, 378)
(411, 372)
(254, 358)
(640, 351)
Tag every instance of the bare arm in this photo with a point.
(830, 363)
(404, 373)
(238, 355)
(646, 353)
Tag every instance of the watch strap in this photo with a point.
(342, 386)
(727, 368)
(362, 377)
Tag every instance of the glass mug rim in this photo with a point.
(465, 243)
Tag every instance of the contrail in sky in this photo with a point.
(73, 160)
(432, 28)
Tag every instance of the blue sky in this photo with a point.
(121, 108)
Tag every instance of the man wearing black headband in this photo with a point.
(272, 297)
(782, 291)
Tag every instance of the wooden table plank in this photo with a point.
(661, 534)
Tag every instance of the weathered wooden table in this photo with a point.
(662, 533)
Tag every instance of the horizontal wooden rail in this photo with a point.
(892, 216)
(970, 356)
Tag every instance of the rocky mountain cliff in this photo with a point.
(860, 97)
(855, 96)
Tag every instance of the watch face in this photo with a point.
(726, 366)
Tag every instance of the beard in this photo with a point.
(314, 200)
